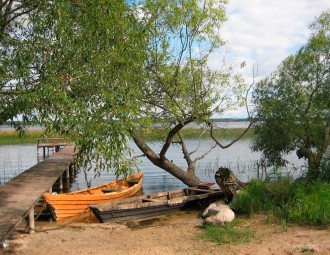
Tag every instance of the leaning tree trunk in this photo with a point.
(313, 162)
(164, 163)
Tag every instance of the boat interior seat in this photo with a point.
(109, 190)
(150, 200)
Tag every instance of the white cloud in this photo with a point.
(267, 30)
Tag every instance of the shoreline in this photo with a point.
(175, 233)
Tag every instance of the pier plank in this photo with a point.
(22, 193)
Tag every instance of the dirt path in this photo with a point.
(177, 233)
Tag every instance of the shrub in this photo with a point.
(295, 202)
(253, 198)
(310, 206)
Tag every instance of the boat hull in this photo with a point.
(67, 205)
(152, 205)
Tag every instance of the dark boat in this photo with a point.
(153, 204)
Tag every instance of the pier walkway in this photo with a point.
(53, 144)
(19, 196)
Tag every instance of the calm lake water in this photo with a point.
(15, 159)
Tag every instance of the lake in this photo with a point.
(15, 159)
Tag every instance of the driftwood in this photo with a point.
(228, 183)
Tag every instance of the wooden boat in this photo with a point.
(67, 205)
(152, 205)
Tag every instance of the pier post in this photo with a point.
(66, 184)
(71, 169)
(61, 183)
(67, 173)
(31, 221)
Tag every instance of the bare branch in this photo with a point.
(199, 142)
(254, 75)
(186, 154)
(233, 141)
(205, 154)
(171, 134)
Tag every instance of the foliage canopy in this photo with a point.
(101, 71)
(293, 103)
(65, 66)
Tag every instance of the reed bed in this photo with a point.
(158, 134)
(11, 137)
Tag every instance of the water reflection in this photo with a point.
(15, 159)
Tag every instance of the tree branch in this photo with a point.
(171, 134)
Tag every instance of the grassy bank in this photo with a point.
(191, 133)
(291, 202)
(283, 202)
(12, 137)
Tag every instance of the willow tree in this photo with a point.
(293, 103)
(179, 86)
(101, 72)
(70, 66)
(11, 15)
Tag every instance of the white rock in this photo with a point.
(217, 204)
(218, 213)
(224, 216)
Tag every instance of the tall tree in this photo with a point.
(180, 88)
(71, 66)
(102, 75)
(293, 103)
(12, 14)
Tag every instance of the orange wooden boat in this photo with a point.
(63, 206)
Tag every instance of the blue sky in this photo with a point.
(267, 30)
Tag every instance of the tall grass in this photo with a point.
(12, 137)
(307, 204)
(157, 134)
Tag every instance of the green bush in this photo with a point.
(295, 202)
(310, 206)
(253, 198)
(325, 169)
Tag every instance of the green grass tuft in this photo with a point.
(228, 234)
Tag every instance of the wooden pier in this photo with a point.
(19, 196)
(50, 144)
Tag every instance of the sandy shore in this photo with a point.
(176, 233)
